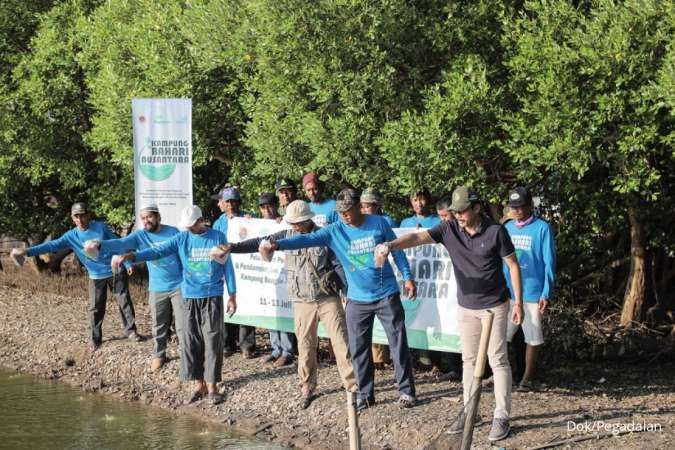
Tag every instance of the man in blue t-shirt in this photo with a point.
(324, 210)
(422, 217)
(372, 292)
(533, 240)
(101, 277)
(201, 352)
(229, 202)
(165, 275)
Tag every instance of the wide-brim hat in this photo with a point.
(298, 211)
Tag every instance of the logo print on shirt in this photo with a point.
(361, 252)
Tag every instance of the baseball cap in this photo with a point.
(370, 196)
(462, 197)
(519, 197)
(284, 183)
(346, 200)
(227, 193)
(79, 208)
(266, 198)
(189, 216)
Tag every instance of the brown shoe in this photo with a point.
(283, 361)
(228, 353)
(157, 363)
(269, 359)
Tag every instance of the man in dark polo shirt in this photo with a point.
(477, 246)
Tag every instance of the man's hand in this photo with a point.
(231, 305)
(117, 260)
(410, 289)
(543, 305)
(517, 316)
(18, 255)
(381, 252)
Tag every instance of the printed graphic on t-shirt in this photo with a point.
(522, 243)
(361, 252)
(199, 264)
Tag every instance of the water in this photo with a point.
(39, 414)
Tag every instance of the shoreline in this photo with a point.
(45, 335)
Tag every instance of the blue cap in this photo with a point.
(228, 193)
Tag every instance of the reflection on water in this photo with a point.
(51, 415)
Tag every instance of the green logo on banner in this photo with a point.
(157, 159)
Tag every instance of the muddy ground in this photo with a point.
(45, 334)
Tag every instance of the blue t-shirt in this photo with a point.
(324, 212)
(354, 248)
(202, 277)
(75, 239)
(166, 274)
(535, 250)
(416, 221)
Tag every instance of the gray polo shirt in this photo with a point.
(477, 261)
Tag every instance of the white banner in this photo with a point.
(162, 155)
(262, 296)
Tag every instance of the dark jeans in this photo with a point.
(238, 335)
(98, 296)
(360, 317)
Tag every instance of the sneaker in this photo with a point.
(269, 359)
(500, 429)
(157, 363)
(216, 398)
(457, 426)
(283, 361)
(228, 353)
(135, 337)
(247, 354)
(406, 401)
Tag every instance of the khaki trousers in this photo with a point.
(469, 334)
(307, 316)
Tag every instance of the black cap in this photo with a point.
(519, 197)
(267, 198)
(79, 208)
(284, 183)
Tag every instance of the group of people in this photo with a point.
(338, 271)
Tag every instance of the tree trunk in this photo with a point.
(634, 296)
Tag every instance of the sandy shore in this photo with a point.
(45, 334)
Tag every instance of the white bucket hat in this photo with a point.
(298, 211)
(189, 216)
